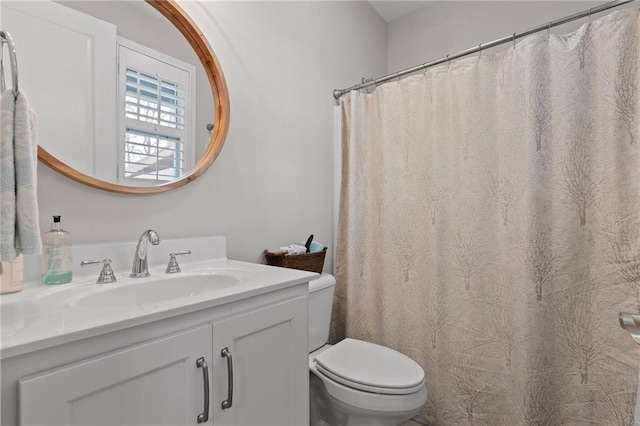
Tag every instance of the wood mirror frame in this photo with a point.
(179, 18)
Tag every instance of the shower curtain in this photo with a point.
(490, 228)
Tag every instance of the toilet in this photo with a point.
(356, 383)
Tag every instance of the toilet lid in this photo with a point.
(370, 367)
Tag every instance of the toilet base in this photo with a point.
(369, 421)
(320, 411)
(359, 417)
(328, 411)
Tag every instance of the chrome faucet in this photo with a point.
(140, 266)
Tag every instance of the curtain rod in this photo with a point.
(337, 93)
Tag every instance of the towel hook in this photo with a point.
(5, 38)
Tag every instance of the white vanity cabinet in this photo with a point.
(148, 374)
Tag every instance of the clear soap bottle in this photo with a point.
(56, 256)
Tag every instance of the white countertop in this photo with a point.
(36, 318)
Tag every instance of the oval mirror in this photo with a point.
(130, 98)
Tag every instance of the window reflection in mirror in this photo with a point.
(155, 105)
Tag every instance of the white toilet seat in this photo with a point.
(367, 388)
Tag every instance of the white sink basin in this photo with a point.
(151, 292)
(138, 292)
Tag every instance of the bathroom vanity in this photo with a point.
(222, 343)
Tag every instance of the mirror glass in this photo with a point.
(121, 96)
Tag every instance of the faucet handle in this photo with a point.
(106, 275)
(173, 267)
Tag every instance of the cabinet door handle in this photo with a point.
(227, 403)
(204, 416)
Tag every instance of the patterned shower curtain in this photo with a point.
(490, 228)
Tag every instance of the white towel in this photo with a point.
(19, 220)
(294, 249)
(7, 179)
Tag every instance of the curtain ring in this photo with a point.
(480, 50)
(549, 30)
(514, 40)
(398, 76)
(589, 14)
(448, 61)
(362, 83)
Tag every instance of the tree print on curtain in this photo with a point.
(539, 100)
(437, 193)
(578, 167)
(625, 83)
(502, 185)
(540, 396)
(578, 315)
(467, 255)
(538, 258)
(621, 235)
(500, 320)
(616, 396)
(490, 228)
(584, 37)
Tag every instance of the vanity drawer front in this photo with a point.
(154, 383)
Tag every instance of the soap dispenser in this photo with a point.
(56, 257)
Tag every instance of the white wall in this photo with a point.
(448, 27)
(271, 184)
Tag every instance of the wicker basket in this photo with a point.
(312, 262)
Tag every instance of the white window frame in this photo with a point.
(127, 47)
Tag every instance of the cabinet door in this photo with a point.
(155, 383)
(270, 367)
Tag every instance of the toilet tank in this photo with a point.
(320, 303)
